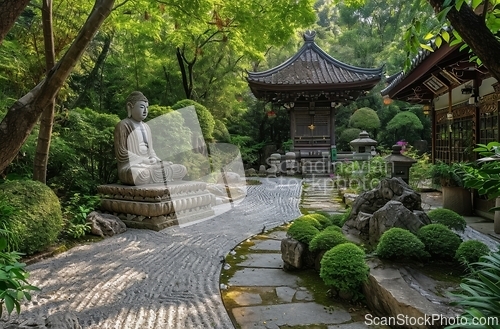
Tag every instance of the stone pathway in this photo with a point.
(169, 279)
(260, 295)
(320, 194)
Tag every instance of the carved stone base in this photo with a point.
(158, 206)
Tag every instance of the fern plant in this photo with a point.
(481, 295)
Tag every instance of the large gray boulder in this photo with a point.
(401, 293)
(395, 214)
(105, 224)
(391, 204)
(293, 253)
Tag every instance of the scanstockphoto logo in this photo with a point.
(365, 175)
(203, 179)
(431, 320)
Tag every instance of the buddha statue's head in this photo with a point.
(137, 106)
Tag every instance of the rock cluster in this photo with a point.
(392, 204)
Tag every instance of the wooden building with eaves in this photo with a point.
(461, 97)
(311, 85)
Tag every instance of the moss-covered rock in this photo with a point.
(36, 217)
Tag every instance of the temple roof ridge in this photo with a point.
(336, 71)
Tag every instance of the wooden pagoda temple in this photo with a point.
(311, 85)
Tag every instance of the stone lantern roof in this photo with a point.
(396, 156)
(363, 140)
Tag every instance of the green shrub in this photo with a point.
(447, 217)
(333, 228)
(323, 220)
(204, 117)
(439, 240)
(338, 220)
(343, 267)
(470, 251)
(311, 220)
(37, 219)
(326, 240)
(14, 287)
(400, 243)
(302, 231)
(6, 211)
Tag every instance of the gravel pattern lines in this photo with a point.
(169, 279)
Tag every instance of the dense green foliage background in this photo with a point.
(180, 54)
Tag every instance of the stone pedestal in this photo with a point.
(157, 206)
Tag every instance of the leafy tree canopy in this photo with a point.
(366, 119)
(404, 120)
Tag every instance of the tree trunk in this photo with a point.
(93, 74)
(23, 115)
(475, 33)
(9, 12)
(185, 83)
(45, 133)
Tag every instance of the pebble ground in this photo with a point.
(155, 280)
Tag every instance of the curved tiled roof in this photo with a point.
(422, 54)
(398, 77)
(312, 66)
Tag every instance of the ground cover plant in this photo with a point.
(14, 287)
(480, 296)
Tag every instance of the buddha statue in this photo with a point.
(137, 160)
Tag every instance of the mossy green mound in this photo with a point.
(400, 244)
(470, 251)
(344, 268)
(36, 218)
(448, 218)
(439, 240)
(302, 231)
(326, 240)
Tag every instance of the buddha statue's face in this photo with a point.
(138, 110)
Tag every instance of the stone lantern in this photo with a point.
(400, 164)
(364, 146)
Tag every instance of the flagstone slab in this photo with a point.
(277, 235)
(263, 261)
(260, 277)
(285, 293)
(291, 314)
(245, 298)
(268, 244)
